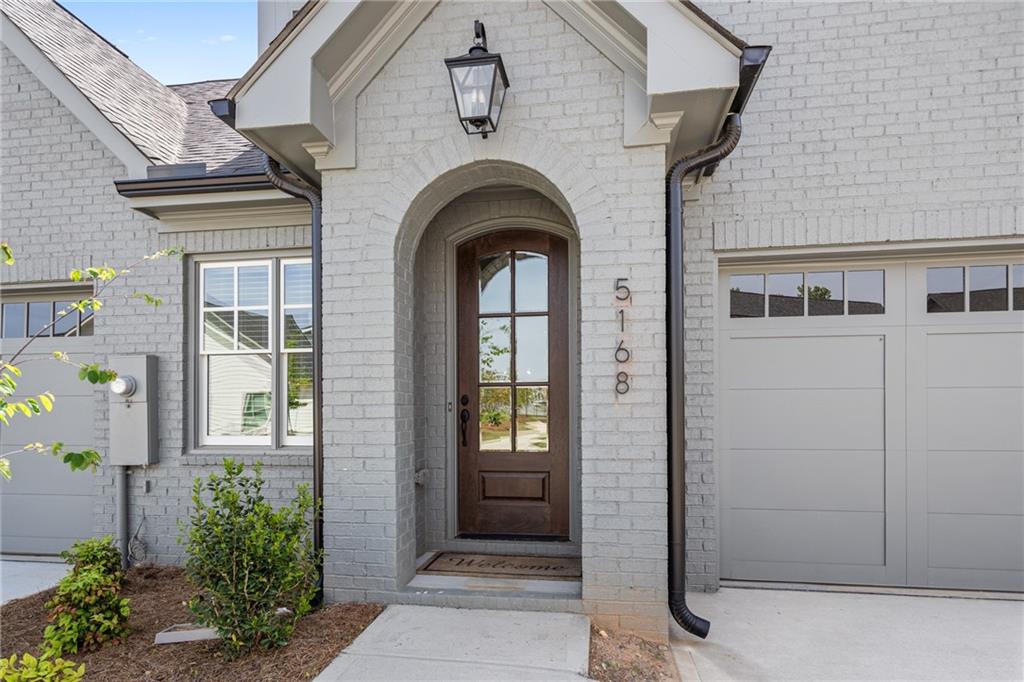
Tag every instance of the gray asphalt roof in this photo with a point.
(208, 139)
(168, 124)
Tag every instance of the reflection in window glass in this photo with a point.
(298, 284)
(67, 320)
(531, 419)
(865, 291)
(1018, 287)
(988, 288)
(218, 330)
(298, 328)
(531, 282)
(495, 418)
(746, 296)
(14, 320)
(496, 284)
(495, 349)
(85, 328)
(253, 285)
(945, 290)
(825, 293)
(39, 317)
(299, 368)
(219, 287)
(532, 348)
(253, 329)
(786, 295)
(238, 387)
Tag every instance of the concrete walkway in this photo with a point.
(429, 643)
(22, 578)
(761, 634)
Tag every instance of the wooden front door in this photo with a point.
(512, 408)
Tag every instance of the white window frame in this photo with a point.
(204, 438)
(278, 436)
(282, 308)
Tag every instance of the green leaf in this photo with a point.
(76, 275)
(5, 468)
(47, 401)
(7, 253)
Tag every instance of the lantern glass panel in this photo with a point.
(473, 84)
(499, 99)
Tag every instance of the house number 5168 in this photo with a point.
(622, 355)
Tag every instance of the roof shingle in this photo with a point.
(208, 139)
(148, 113)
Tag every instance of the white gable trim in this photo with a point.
(299, 101)
(71, 97)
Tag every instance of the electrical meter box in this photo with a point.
(133, 411)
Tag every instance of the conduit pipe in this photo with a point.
(300, 189)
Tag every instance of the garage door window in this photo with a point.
(1018, 287)
(975, 288)
(45, 317)
(799, 294)
(825, 293)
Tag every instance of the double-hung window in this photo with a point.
(255, 362)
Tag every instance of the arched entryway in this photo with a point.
(495, 300)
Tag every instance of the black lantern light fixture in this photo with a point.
(479, 82)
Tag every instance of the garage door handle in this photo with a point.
(464, 418)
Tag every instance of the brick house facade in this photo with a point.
(879, 134)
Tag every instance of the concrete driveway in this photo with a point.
(21, 578)
(767, 634)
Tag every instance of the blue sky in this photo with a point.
(178, 42)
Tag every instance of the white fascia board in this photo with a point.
(288, 90)
(223, 210)
(681, 58)
(70, 96)
(357, 71)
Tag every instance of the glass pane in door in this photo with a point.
(532, 419)
(531, 282)
(496, 418)
(495, 349)
(496, 283)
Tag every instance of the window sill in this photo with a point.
(214, 455)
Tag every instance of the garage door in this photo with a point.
(46, 506)
(871, 423)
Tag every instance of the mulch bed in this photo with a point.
(621, 657)
(157, 601)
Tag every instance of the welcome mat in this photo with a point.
(505, 566)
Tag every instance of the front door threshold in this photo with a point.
(564, 589)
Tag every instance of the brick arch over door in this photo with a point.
(431, 178)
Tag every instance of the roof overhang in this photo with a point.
(214, 202)
(298, 102)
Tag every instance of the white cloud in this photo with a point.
(220, 40)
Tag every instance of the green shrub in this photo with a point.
(42, 669)
(98, 553)
(248, 560)
(87, 611)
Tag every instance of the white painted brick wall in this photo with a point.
(59, 211)
(872, 122)
(564, 119)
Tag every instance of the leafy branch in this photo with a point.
(101, 278)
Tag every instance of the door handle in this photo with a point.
(464, 418)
